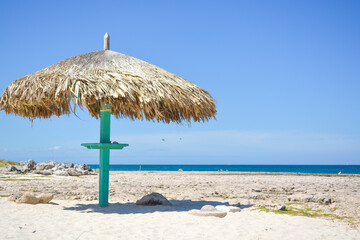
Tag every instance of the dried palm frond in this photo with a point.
(134, 89)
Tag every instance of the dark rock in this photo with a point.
(327, 201)
(282, 208)
(153, 199)
(12, 168)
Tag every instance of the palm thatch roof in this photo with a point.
(134, 89)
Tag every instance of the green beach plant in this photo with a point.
(3, 162)
(307, 212)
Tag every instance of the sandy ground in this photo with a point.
(74, 214)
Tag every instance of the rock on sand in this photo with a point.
(32, 198)
(153, 199)
(208, 211)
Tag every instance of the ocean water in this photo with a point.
(327, 169)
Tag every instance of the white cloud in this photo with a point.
(55, 148)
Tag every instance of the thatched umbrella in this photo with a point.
(107, 82)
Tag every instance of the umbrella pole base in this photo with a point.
(104, 156)
(104, 178)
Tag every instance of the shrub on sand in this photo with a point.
(4, 162)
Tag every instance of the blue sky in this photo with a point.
(285, 75)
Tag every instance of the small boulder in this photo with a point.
(27, 166)
(227, 208)
(83, 167)
(327, 201)
(208, 211)
(48, 165)
(59, 166)
(73, 172)
(209, 208)
(31, 198)
(30, 165)
(282, 208)
(45, 165)
(45, 197)
(153, 199)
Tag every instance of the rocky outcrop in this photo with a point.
(45, 165)
(31, 198)
(48, 168)
(310, 198)
(153, 199)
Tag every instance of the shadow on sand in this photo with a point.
(132, 208)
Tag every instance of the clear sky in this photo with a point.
(285, 75)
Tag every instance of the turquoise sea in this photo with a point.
(327, 169)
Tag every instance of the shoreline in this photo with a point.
(242, 173)
(294, 169)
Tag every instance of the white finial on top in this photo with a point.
(106, 42)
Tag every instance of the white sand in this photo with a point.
(85, 220)
(73, 215)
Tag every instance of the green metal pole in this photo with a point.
(104, 156)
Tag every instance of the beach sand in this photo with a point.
(74, 214)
